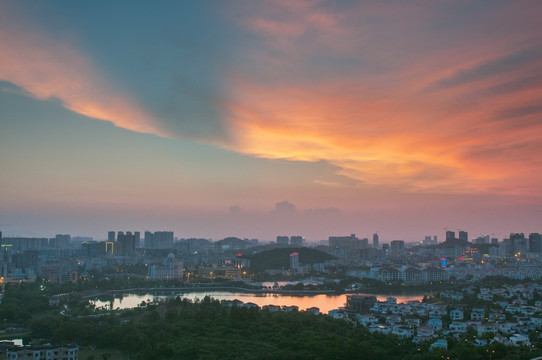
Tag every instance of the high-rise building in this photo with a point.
(148, 242)
(111, 236)
(345, 242)
(535, 243)
(375, 240)
(386, 248)
(397, 247)
(125, 245)
(450, 235)
(463, 236)
(518, 243)
(60, 241)
(296, 240)
(283, 240)
(93, 248)
(294, 260)
(158, 240)
(427, 240)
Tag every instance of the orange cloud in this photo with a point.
(48, 68)
(396, 100)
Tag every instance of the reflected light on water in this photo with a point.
(322, 301)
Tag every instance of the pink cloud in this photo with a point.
(48, 68)
(394, 98)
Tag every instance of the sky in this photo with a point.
(263, 118)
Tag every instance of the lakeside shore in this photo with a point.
(179, 290)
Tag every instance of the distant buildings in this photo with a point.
(360, 303)
(518, 243)
(345, 242)
(429, 241)
(375, 240)
(42, 352)
(535, 243)
(296, 241)
(293, 240)
(397, 248)
(158, 240)
(294, 261)
(170, 269)
(126, 243)
(283, 240)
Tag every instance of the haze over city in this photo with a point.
(256, 119)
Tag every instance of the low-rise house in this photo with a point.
(537, 321)
(367, 319)
(485, 297)
(477, 314)
(439, 344)
(458, 327)
(508, 327)
(512, 309)
(420, 339)
(314, 310)
(501, 339)
(43, 352)
(486, 328)
(403, 332)
(435, 323)
(338, 314)
(250, 305)
(230, 303)
(437, 310)
(391, 300)
(426, 331)
(452, 295)
(413, 321)
(456, 315)
(383, 329)
(271, 308)
(422, 312)
(393, 319)
(519, 340)
(479, 342)
(502, 304)
(290, 308)
(495, 316)
(473, 323)
(528, 310)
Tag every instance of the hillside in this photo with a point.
(279, 258)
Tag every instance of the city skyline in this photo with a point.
(254, 120)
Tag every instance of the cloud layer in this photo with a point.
(440, 98)
(49, 68)
(396, 95)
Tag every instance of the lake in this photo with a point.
(324, 302)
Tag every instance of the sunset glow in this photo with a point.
(385, 112)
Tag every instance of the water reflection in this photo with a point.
(322, 301)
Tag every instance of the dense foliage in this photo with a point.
(180, 329)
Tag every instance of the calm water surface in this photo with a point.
(324, 302)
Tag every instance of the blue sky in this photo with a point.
(391, 117)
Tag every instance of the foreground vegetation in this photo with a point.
(180, 329)
(206, 329)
